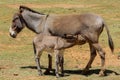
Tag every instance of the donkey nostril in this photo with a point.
(13, 35)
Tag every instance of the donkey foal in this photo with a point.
(44, 42)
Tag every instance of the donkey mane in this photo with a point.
(26, 8)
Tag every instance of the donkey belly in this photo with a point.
(66, 29)
(63, 25)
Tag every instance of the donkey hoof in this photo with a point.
(47, 72)
(101, 74)
(84, 72)
(40, 73)
(57, 76)
(62, 75)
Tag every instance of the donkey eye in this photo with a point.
(15, 19)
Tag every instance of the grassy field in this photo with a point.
(16, 55)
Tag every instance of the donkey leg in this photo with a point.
(57, 63)
(38, 52)
(92, 57)
(37, 59)
(38, 66)
(61, 62)
(49, 64)
(50, 61)
(102, 56)
(62, 66)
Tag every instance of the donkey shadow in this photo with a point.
(77, 72)
(52, 72)
(91, 72)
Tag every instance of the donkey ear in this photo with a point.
(21, 9)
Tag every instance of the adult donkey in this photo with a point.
(89, 26)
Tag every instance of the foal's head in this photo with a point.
(17, 25)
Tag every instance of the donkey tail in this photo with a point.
(111, 44)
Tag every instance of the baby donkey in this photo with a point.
(44, 42)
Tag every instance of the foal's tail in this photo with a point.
(111, 44)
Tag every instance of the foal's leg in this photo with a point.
(61, 63)
(38, 53)
(92, 57)
(102, 56)
(37, 59)
(56, 62)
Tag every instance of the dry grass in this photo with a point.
(16, 55)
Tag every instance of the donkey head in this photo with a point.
(26, 17)
(17, 25)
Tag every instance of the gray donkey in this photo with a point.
(57, 44)
(88, 25)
